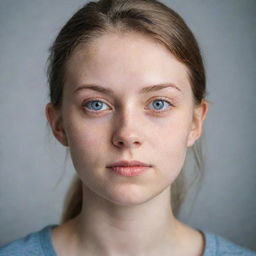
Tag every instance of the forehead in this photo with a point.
(125, 61)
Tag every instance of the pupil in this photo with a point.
(158, 104)
(97, 105)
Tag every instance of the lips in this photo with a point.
(124, 163)
(129, 168)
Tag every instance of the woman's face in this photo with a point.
(153, 125)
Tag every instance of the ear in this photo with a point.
(199, 114)
(54, 118)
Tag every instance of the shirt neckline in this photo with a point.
(46, 241)
(48, 248)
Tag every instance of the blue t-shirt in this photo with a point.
(40, 244)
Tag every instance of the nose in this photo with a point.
(128, 133)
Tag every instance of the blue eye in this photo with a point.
(160, 104)
(95, 105)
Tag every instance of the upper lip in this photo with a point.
(128, 163)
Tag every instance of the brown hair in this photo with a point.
(148, 17)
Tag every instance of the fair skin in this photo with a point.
(127, 216)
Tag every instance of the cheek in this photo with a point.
(172, 147)
(173, 154)
(85, 142)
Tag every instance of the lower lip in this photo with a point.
(130, 171)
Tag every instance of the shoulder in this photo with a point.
(36, 244)
(218, 246)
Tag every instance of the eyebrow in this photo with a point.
(147, 89)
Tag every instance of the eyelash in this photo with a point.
(100, 100)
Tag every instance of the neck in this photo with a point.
(145, 229)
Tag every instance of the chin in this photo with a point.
(131, 195)
(124, 193)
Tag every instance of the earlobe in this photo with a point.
(199, 116)
(54, 118)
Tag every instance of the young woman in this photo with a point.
(127, 97)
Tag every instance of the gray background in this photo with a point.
(33, 173)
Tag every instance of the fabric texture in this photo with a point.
(40, 244)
